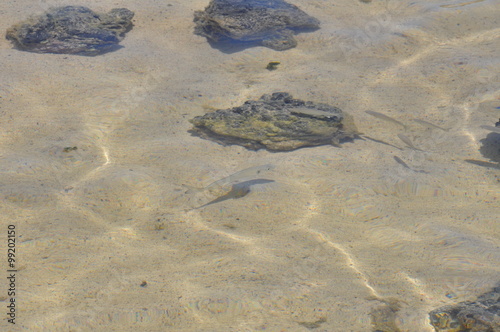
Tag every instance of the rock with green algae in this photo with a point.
(482, 315)
(276, 122)
(72, 30)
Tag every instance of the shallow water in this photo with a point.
(108, 241)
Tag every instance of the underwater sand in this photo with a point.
(107, 240)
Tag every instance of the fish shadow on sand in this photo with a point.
(238, 190)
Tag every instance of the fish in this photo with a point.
(315, 113)
(405, 165)
(430, 125)
(408, 142)
(460, 4)
(381, 142)
(225, 183)
(486, 164)
(385, 118)
(491, 128)
(401, 162)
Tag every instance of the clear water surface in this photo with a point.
(108, 239)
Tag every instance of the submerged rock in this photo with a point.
(482, 315)
(276, 122)
(270, 23)
(72, 30)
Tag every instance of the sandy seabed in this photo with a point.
(107, 240)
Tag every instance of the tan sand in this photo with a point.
(108, 242)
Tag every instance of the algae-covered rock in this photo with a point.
(276, 122)
(72, 30)
(270, 23)
(482, 315)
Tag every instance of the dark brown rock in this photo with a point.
(270, 23)
(72, 30)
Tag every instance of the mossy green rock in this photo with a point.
(276, 122)
(482, 315)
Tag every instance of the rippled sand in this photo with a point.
(108, 241)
